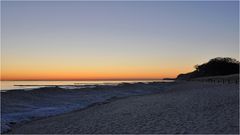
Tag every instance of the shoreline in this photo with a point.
(179, 89)
(50, 101)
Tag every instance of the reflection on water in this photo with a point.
(11, 85)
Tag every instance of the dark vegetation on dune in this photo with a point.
(214, 67)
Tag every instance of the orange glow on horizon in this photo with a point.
(90, 75)
(85, 76)
(14, 68)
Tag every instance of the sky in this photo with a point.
(114, 40)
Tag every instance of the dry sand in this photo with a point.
(190, 107)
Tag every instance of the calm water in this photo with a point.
(12, 85)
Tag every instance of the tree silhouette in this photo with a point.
(214, 67)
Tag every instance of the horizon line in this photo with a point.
(115, 79)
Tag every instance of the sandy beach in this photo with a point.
(119, 67)
(187, 107)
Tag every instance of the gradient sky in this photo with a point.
(114, 40)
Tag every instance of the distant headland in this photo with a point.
(219, 66)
